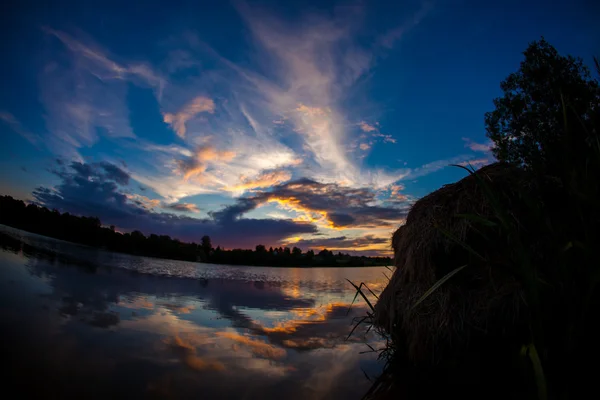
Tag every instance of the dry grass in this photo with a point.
(428, 247)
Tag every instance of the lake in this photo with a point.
(86, 323)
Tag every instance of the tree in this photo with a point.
(206, 245)
(296, 252)
(548, 112)
(325, 253)
(260, 248)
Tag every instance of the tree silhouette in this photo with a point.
(89, 231)
(206, 245)
(548, 112)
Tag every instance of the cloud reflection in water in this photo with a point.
(230, 336)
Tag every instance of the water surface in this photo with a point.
(86, 323)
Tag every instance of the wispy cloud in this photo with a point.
(154, 204)
(312, 65)
(276, 129)
(102, 65)
(84, 92)
(477, 162)
(16, 126)
(366, 127)
(481, 147)
(394, 35)
(196, 166)
(178, 120)
(263, 180)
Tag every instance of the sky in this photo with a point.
(309, 124)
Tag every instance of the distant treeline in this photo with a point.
(89, 231)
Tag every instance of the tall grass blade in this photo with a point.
(437, 285)
(531, 351)
(359, 291)
(459, 242)
(360, 321)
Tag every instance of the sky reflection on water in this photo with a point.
(84, 322)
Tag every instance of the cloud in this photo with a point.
(196, 166)
(480, 147)
(343, 243)
(87, 189)
(182, 207)
(258, 348)
(178, 120)
(16, 126)
(364, 146)
(477, 162)
(311, 66)
(373, 131)
(326, 204)
(186, 350)
(386, 138)
(226, 164)
(366, 127)
(114, 173)
(264, 180)
(143, 201)
(84, 91)
(392, 36)
(101, 63)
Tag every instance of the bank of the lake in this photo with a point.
(90, 231)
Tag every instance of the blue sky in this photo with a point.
(309, 124)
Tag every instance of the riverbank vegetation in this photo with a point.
(89, 231)
(495, 293)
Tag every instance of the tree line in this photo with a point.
(89, 231)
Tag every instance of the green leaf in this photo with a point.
(437, 285)
(538, 371)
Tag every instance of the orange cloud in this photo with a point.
(366, 127)
(395, 193)
(365, 146)
(257, 347)
(196, 106)
(313, 111)
(266, 179)
(143, 201)
(306, 214)
(199, 364)
(197, 165)
(179, 308)
(187, 353)
(304, 316)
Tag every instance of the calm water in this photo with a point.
(81, 322)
